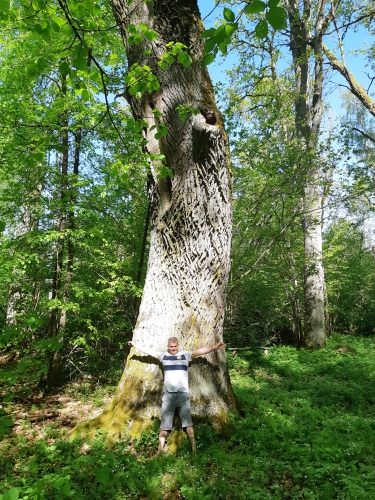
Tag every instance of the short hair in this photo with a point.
(173, 339)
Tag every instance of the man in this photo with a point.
(176, 386)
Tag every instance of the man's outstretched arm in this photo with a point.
(144, 350)
(206, 350)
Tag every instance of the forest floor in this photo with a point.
(305, 430)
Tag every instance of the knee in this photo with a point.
(190, 431)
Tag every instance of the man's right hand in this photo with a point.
(142, 349)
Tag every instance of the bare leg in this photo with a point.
(162, 437)
(191, 436)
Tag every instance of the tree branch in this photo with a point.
(355, 88)
(364, 134)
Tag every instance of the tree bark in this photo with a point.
(307, 46)
(188, 266)
(56, 322)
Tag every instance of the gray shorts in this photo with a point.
(171, 401)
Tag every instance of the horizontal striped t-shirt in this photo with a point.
(176, 371)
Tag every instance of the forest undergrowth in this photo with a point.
(304, 430)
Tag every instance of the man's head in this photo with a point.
(173, 345)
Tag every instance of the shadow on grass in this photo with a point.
(305, 431)
(308, 417)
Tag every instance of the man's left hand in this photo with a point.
(221, 345)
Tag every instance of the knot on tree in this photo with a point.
(209, 115)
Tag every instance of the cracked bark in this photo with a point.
(187, 274)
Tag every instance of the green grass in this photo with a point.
(305, 430)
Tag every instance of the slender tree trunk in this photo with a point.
(137, 300)
(308, 121)
(188, 266)
(56, 320)
(294, 298)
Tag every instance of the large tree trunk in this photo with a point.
(184, 293)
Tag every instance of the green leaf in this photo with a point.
(229, 30)
(229, 15)
(64, 68)
(156, 112)
(136, 38)
(30, 321)
(164, 171)
(151, 35)
(46, 35)
(184, 59)
(56, 28)
(132, 28)
(6, 422)
(153, 84)
(2, 226)
(58, 483)
(184, 111)
(272, 3)
(104, 475)
(220, 34)
(255, 7)
(223, 47)
(31, 70)
(38, 28)
(207, 59)
(208, 33)
(9, 334)
(5, 18)
(66, 489)
(12, 494)
(80, 51)
(140, 124)
(89, 4)
(209, 45)
(4, 5)
(261, 29)
(80, 63)
(277, 17)
(85, 95)
(162, 132)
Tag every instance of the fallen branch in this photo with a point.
(35, 415)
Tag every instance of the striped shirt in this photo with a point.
(176, 371)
